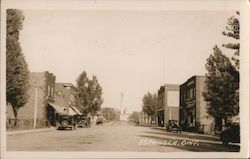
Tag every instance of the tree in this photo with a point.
(221, 83)
(150, 104)
(88, 94)
(95, 94)
(134, 117)
(17, 73)
(233, 31)
(109, 113)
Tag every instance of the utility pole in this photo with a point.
(122, 94)
(35, 106)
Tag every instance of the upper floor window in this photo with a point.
(190, 93)
(52, 91)
(48, 90)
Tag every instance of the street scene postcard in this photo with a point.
(124, 79)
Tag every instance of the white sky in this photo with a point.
(124, 49)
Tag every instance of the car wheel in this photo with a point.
(64, 123)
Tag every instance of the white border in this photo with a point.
(210, 5)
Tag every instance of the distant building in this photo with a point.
(193, 116)
(144, 119)
(124, 115)
(168, 104)
(33, 114)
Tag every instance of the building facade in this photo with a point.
(145, 120)
(168, 104)
(192, 112)
(63, 102)
(33, 114)
(64, 95)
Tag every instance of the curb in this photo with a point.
(29, 131)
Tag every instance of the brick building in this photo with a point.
(63, 102)
(193, 116)
(33, 114)
(64, 95)
(168, 104)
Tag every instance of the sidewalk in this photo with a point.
(15, 132)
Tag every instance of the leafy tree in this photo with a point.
(88, 94)
(17, 73)
(221, 84)
(150, 104)
(110, 113)
(95, 94)
(233, 31)
(134, 117)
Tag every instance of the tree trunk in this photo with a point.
(225, 121)
(15, 109)
(218, 123)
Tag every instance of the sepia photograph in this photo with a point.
(113, 77)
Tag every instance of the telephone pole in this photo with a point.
(35, 105)
(122, 94)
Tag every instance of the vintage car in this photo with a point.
(99, 119)
(231, 134)
(173, 126)
(83, 121)
(66, 121)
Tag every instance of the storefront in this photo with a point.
(193, 113)
(160, 117)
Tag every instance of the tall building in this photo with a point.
(33, 114)
(168, 104)
(193, 115)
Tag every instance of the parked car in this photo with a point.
(66, 121)
(231, 134)
(173, 126)
(83, 121)
(99, 119)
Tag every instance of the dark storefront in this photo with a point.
(188, 105)
(160, 116)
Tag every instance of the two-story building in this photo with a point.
(193, 115)
(168, 104)
(33, 114)
(63, 102)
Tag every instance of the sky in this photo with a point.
(130, 52)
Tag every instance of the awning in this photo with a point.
(58, 109)
(77, 111)
(72, 111)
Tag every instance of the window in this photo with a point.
(191, 93)
(48, 90)
(52, 91)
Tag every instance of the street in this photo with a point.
(116, 136)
